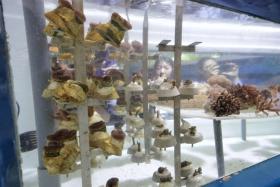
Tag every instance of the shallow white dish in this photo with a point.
(168, 93)
(188, 139)
(165, 141)
(187, 170)
(158, 176)
(138, 157)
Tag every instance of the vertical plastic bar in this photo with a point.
(219, 147)
(127, 4)
(243, 130)
(147, 128)
(126, 72)
(10, 170)
(177, 73)
(80, 75)
(40, 67)
(126, 39)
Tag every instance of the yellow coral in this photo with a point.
(74, 91)
(65, 162)
(65, 56)
(92, 85)
(51, 89)
(63, 19)
(56, 20)
(70, 91)
(111, 32)
(94, 37)
(104, 141)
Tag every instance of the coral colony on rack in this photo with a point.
(105, 82)
(64, 27)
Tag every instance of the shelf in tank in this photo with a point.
(200, 113)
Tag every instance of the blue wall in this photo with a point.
(264, 9)
(10, 172)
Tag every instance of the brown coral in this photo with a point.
(185, 164)
(120, 22)
(266, 94)
(193, 130)
(118, 134)
(97, 127)
(225, 104)
(165, 132)
(215, 90)
(62, 115)
(266, 104)
(113, 182)
(247, 94)
(253, 93)
(61, 72)
(62, 135)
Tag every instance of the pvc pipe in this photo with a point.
(40, 74)
(81, 76)
(147, 128)
(219, 147)
(244, 129)
(177, 104)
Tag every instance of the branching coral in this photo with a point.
(266, 104)
(225, 104)
(215, 90)
(247, 94)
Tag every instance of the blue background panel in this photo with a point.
(10, 172)
(264, 174)
(265, 9)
